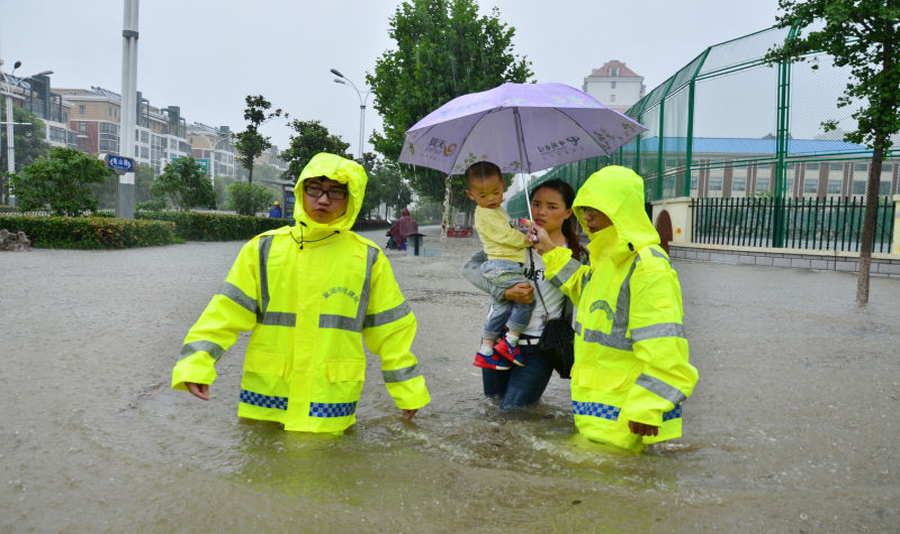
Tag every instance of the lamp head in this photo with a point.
(340, 81)
(337, 73)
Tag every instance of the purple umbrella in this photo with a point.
(519, 127)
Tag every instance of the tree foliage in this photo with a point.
(249, 199)
(444, 50)
(185, 184)
(28, 140)
(311, 138)
(863, 35)
(250, 143)
(62, 181)
(386, 185)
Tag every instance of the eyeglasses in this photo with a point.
(314, 191)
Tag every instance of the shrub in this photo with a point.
(194, 226)
(249, 199)
(62, 180)
(90, 232)
(151, 205)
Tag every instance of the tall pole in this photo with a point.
(343, 80)
(125, 189)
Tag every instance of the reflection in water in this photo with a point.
(791, 428)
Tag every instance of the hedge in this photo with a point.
(193, 226)
(90, 232)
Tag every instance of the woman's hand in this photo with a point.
(520, 293)
(540, 240)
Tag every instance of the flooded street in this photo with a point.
(792, 427)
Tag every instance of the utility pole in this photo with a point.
(125, 186)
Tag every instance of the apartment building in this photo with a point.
(615, 85)
(215, 145)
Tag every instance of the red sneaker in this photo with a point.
(490, 362)
(510, 353)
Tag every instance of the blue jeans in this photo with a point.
(505, 273)
(520, 386)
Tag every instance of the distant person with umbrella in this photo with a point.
(631, 371)
(402, 227)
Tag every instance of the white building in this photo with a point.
(615, 85)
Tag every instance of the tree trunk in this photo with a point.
(868, 231)
(447, 220)
(250, 175)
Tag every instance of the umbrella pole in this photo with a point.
(520, 140)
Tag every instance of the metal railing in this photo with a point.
(805, 223)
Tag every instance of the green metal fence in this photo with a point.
(727, 125)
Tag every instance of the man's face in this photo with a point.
(595, 220)
(324, 200)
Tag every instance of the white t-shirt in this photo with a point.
(553, 298)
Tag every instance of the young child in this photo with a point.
(505, 248)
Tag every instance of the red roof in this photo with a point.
(624, 72)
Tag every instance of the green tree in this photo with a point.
(185, 184)
(250, 143)
(310, 139)
(444, 50)
(29, 142)
(865, 36)
(62, 181)
(249, 199)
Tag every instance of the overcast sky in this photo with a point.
(207, 55)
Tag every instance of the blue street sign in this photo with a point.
(120, 164)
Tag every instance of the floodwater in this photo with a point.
(793, 426)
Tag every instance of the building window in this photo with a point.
(614, 72)
(834, 187)
(81, 109)
(82, 127)
(812, 166)
(836, 166)
(612, 85)
(810, 186)
(612, 98)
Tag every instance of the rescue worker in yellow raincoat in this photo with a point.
(631, 371)
(310, 294)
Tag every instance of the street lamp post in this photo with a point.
(343, 80)
(10, 120)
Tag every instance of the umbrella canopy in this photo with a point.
(518, 127)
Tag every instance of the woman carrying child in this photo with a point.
(551, 207)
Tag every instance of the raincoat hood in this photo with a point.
(340, 170)
(619, 193)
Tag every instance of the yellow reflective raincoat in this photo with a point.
(310, 294)
(631, 354)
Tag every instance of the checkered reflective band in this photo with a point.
(328, 409)
(266, 401)
(596, 409)
(674, 413)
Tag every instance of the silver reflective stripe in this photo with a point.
(265, 243)
(657, 330)
(617, 338)
(401, 375)
(565, 273)
(660, 254)
(338, 321)
(388, 316)
(611, 340)
(655, 385)
(279, 319)
(235, 293)
(354, 324)
(209, 347)
(577, 328)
